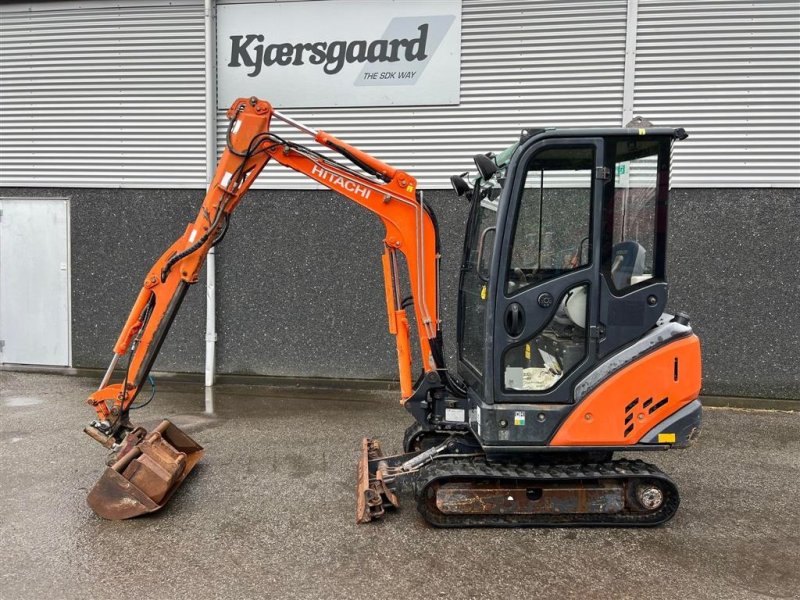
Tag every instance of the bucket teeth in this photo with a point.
(146, 474)
(373, 495)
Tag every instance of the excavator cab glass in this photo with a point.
(634, 243)
(565, 264)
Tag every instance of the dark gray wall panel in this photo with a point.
(734, 266)
(301, 288)
(300, 291)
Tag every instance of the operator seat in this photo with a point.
(627, 261)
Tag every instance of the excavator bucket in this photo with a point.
(146, 474)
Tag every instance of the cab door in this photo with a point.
(473, 295)
(545, 273)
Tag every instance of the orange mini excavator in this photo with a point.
(565, 352)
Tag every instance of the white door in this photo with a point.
(34, 281)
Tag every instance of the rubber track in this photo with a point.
(459, 469)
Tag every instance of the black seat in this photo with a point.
(627, 261)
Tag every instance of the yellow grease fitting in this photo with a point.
(666, 438)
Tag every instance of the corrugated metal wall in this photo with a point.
(102, 95)
(729, 72)
(111, 94)
(523, 63)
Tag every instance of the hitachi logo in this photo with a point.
(339, 181)
(333, 55)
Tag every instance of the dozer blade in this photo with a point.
(144, 478)
(372, 493)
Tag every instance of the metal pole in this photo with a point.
(296, 124)
(211, 162)
(109, 371)
(629, 78)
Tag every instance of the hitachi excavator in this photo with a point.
(565, 352)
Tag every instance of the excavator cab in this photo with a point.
(562, 268)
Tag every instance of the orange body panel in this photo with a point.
(621, 410)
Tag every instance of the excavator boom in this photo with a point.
(386, 191)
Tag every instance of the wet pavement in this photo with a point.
(269, 512)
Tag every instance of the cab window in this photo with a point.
(551, 235)
(631, 257)
(474, 287)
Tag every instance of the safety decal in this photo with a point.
(519, 418)
(454, 414)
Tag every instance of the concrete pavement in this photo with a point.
(269, 512)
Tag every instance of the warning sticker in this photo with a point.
(454, 414)
(519, 418)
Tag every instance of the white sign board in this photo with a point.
(340, 52)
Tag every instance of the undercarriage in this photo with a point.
(456, 485)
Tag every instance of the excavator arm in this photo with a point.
(389, 193)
